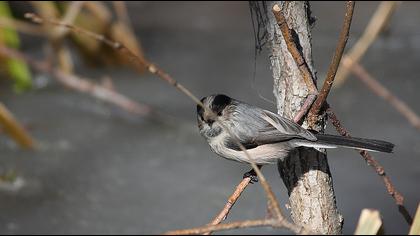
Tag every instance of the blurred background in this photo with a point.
(100, 169)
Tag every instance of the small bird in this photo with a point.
(266, 136)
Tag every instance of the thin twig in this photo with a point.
(119, 47)
(230, 202)
(375, 86)
(332, 70)
(308, 101)
(304, 108)
(154, 69)
(375, 26)
(82, 85)
(379, 169)
(300, 62)
(13, 128)
(70, 16)
(294, 51)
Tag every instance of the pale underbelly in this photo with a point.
(264, 154)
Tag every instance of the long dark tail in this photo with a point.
(358, 143)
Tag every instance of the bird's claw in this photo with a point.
(252, 175)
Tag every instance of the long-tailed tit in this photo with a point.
(266, 136)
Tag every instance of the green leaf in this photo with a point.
(8, 35)
(20, 73)
(17, 69)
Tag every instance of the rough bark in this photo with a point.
(306, 172)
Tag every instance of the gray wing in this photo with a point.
(260, 127)
(285, 127)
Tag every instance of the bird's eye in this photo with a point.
(219, 113)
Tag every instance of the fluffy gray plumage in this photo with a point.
(266, 135)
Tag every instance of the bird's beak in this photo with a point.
(207, 117)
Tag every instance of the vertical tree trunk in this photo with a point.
(306, 172)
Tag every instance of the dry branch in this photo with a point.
(342, 41)
(231, 201)
(305, 108)
(153, 69)
(15, 129)
(300, 62)
(294, 51)
(375, 86)
(379, 169)
(82, 85)
(372, 31)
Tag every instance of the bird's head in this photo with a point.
(214, 106)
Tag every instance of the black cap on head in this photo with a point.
(219, 103)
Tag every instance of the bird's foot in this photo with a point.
(252, 175)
